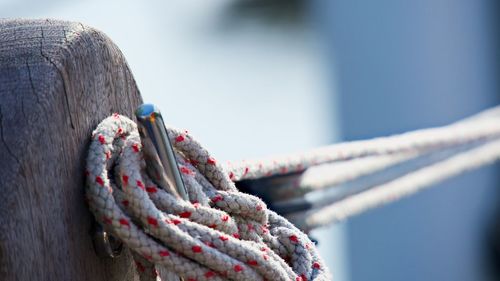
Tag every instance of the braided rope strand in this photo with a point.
(484, 125)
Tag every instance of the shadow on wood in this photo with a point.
(57, 81)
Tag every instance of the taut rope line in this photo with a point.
(342, 180)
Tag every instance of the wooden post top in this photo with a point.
(58, 80)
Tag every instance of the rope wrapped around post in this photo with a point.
(221, 234)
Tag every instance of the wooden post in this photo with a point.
(57, 81)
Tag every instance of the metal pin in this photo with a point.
(158, 151)
(159, 156)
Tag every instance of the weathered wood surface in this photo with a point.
(57, 81)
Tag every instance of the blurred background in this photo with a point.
(279, 76)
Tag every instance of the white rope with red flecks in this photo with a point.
(483, 125)
(468, 144)
(226, 234)
(222, 234)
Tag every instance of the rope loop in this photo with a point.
(222, 234)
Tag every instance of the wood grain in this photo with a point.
(57, 81)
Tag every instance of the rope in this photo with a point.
(225, 234)
(484, 125)
(222, 234)
(401, 187)
(345, 179)
(329, 183)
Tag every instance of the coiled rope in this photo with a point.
(225, 234)
(221, 234)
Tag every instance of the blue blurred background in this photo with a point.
(252, 78)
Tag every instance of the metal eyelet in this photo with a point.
(105, 245)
